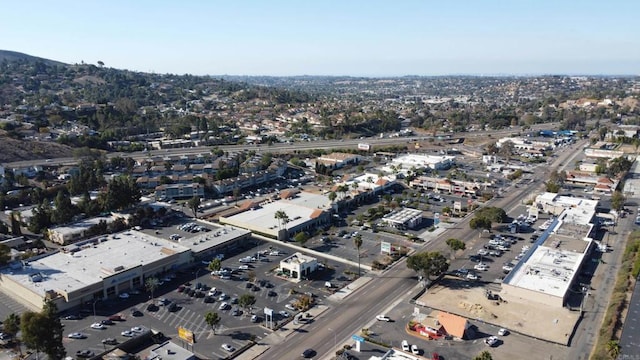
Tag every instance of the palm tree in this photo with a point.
(194, 204)
(151, 284)
(212, 319)
(357, 240)
(280, 215)
(613, 348)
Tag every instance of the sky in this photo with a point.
(328, 37)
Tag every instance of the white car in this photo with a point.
(222, 297)
(405, 346)
(503, 332)
(212, 292)
(483, 252)
(98, 326)
(128, 333)
(284, 314)
(76, 335)
(137, 329)
(471, 276)
(382, 318)
(243, 267)
(491, 340)
(223, 306)
(228, 348)
(415, 350)
(481, 267)
(123, 295)
(290, 307)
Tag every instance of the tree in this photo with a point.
(43, 331)
(613, 349)
(357, 241)
(5, 254)
(485, 355)
(151, 284)
(246, 301)
(507, 149)
(301, 238)
(214, 265)
(617, 201)
(332, 196)
(11, 324)
(429, 264)
(212, 319)
(480, 223)
(455, 245)
(282, 218)
(194, 204)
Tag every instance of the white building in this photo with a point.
(304, 211)
(405, 163)
(551, 266)
(69, 233)
(405, 218)
(93, 269)
(298, 265)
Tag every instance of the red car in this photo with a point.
(180, 288)
(435, 356)
(116, 318)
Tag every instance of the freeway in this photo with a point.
(348, 317)
(276, 147)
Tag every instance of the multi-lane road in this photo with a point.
(348, 317)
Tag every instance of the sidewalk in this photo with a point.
(281, 334)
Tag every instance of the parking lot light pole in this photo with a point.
(94, 309)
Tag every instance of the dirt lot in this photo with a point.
(532, 319)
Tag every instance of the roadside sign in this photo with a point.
(186, 335)
(385, 247)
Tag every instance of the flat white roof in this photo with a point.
(264, 217)
(418, 160)
(217, 236)
(93, 262)
(552, 265)
(299, 209)
(82, 225)
(298, 258)
(403, 215)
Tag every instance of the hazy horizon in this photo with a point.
(332, 38)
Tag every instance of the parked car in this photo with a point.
(116, 318)
(383, 318)
(405, 346)
(128, 333)
(415, 350)
(284, 314)
(481, 267)
(228, 348)
(503, 332)
(123, 295)
(137, 329)
(72, 317)
(84, 353)
(98, 326)
(77, 335)
(491, 341)
(110, 341)
(254, 318)
(223, 306)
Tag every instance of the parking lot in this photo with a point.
(258, 278)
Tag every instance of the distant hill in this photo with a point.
(14, 56)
